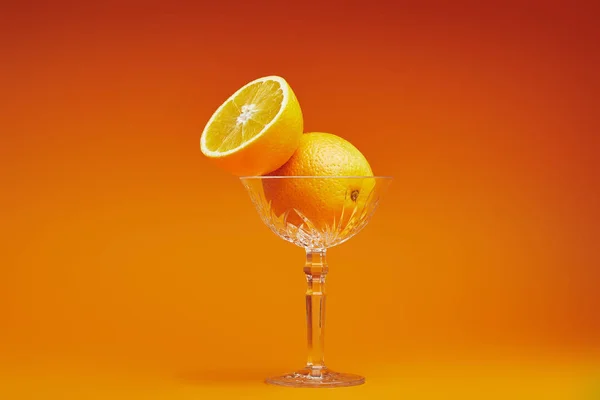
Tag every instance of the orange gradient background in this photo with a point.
(122, 245)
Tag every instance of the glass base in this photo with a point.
(306, 378)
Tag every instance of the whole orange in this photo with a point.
(331, 197)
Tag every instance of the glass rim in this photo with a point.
(316, 177)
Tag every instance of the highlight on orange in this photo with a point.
(133, 267)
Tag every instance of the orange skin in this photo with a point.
(321, 201)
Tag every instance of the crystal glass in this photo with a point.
(316, 213)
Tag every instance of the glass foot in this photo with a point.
(324, 378)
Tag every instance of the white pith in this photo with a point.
(248, 110)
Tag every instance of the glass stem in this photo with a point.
(316, 270)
